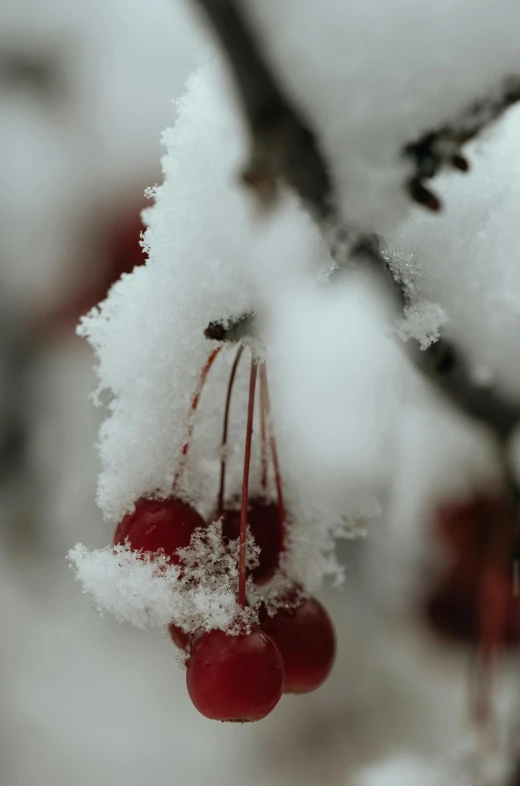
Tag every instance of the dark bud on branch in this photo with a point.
(441, 148)
(231, 330)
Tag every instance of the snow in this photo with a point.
(422, 321)
(148, 592)
(148, 335)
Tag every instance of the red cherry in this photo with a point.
(264, 522)
(178, 636)
(305, 636)
(166, 524)
(235, 678)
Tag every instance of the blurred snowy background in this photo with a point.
(85, 92)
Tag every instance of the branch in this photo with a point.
(283, 147)
(441, 148)
(445, 367)
(232, 330)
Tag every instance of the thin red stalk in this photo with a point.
(274, 455)
(194, 404)
(245, 488)
(223, 459)
(493, 608)
(263, 433)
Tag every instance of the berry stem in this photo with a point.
(245, 487)
(263, 433)
(223, 458)
(493, 609)
(274, 455)
(194, 404)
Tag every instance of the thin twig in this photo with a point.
(194, 404)
(263, 431)
(274, 455)
(242, 549)
(223, 447)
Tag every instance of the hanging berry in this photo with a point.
(235, 678)
(263, 520)
(304, 633)
(168, 524)
(156, 525)
(266, 519)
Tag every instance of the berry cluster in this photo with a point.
(240, 674)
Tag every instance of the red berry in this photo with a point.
(305, 636)
(166, 524)
(235, 678)
(473, 602)
(264, 523)
(454, 608)
(178, 636)
(119, 252)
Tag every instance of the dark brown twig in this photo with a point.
(283, 146)
(233, 329)
(441, 147)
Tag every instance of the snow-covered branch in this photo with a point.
(283, 147)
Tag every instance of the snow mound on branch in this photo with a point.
(373, 76)
(151, 593)
(466, 259)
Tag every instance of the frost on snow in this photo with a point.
(422, 321)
